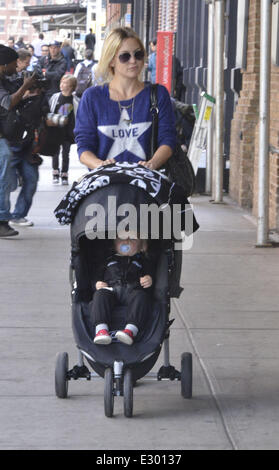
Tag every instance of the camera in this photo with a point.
(57, 119)
(41, 81)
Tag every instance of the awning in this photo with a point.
(55, 9)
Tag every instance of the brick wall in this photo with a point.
(273, 158)
(15, 21)
(113, 15)
(245, 130)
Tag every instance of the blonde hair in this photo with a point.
(104, 71)
(71, 78)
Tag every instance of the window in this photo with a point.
(25, 24)
(2, 3)
(2, 26)
(13, 26)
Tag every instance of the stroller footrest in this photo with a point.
(79, 372)
(168, 372)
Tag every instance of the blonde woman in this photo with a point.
(114, 121)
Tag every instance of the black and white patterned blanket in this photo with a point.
(153, 182)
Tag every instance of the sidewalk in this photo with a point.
(227, 316)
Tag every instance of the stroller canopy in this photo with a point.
(103, 200)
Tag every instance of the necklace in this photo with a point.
(121, 107)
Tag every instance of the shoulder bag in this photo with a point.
(178, 167)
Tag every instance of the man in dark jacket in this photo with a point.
(90, 40)
(55, 68)
(9, 99)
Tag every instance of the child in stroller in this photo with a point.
(126, 279)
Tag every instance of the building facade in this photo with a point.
(14, 21)
(245, 128)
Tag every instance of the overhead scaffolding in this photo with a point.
(68, 16)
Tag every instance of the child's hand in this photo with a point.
(100, 285)
(146, 281)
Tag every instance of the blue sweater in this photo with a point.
(103, 130)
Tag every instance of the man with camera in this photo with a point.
(12, 93)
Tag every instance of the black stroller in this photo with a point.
(120, 365)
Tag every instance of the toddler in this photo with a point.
(126, 279)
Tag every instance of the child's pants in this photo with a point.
(136, 300)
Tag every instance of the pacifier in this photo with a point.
(125, 248)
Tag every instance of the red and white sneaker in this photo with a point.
(125, 336)
(102, 337)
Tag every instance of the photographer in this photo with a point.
(10, 97)
(20, 113)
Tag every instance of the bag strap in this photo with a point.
(155, 118)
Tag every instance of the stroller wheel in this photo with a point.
(128, 393)
(108, 393)
(61, 369)
(186, 375)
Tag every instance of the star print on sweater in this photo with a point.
(125, 136)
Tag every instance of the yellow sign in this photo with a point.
(207, 113)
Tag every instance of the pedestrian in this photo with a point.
(24, 164)
(23, 61)
(33, 60)
(114, 120)
(85, 73)
(45, 51)
(53, 67)
(152, 60)
(179, 87)
(8, 100)
(20, 43)
(90, 40)
(125, 278)
(37, 44)
(69, 54)
(44, 59)
(11, 43)
(64, 103)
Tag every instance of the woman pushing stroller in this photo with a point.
(114, 121)
(114, 124)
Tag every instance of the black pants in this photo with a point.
(136, 300)
(65, 158)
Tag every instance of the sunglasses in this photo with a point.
(126, 56)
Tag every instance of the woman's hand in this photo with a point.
(159, 158)
(109, 161)
(148, 164)
(100, 285)
(92, 161)
(146, 281)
